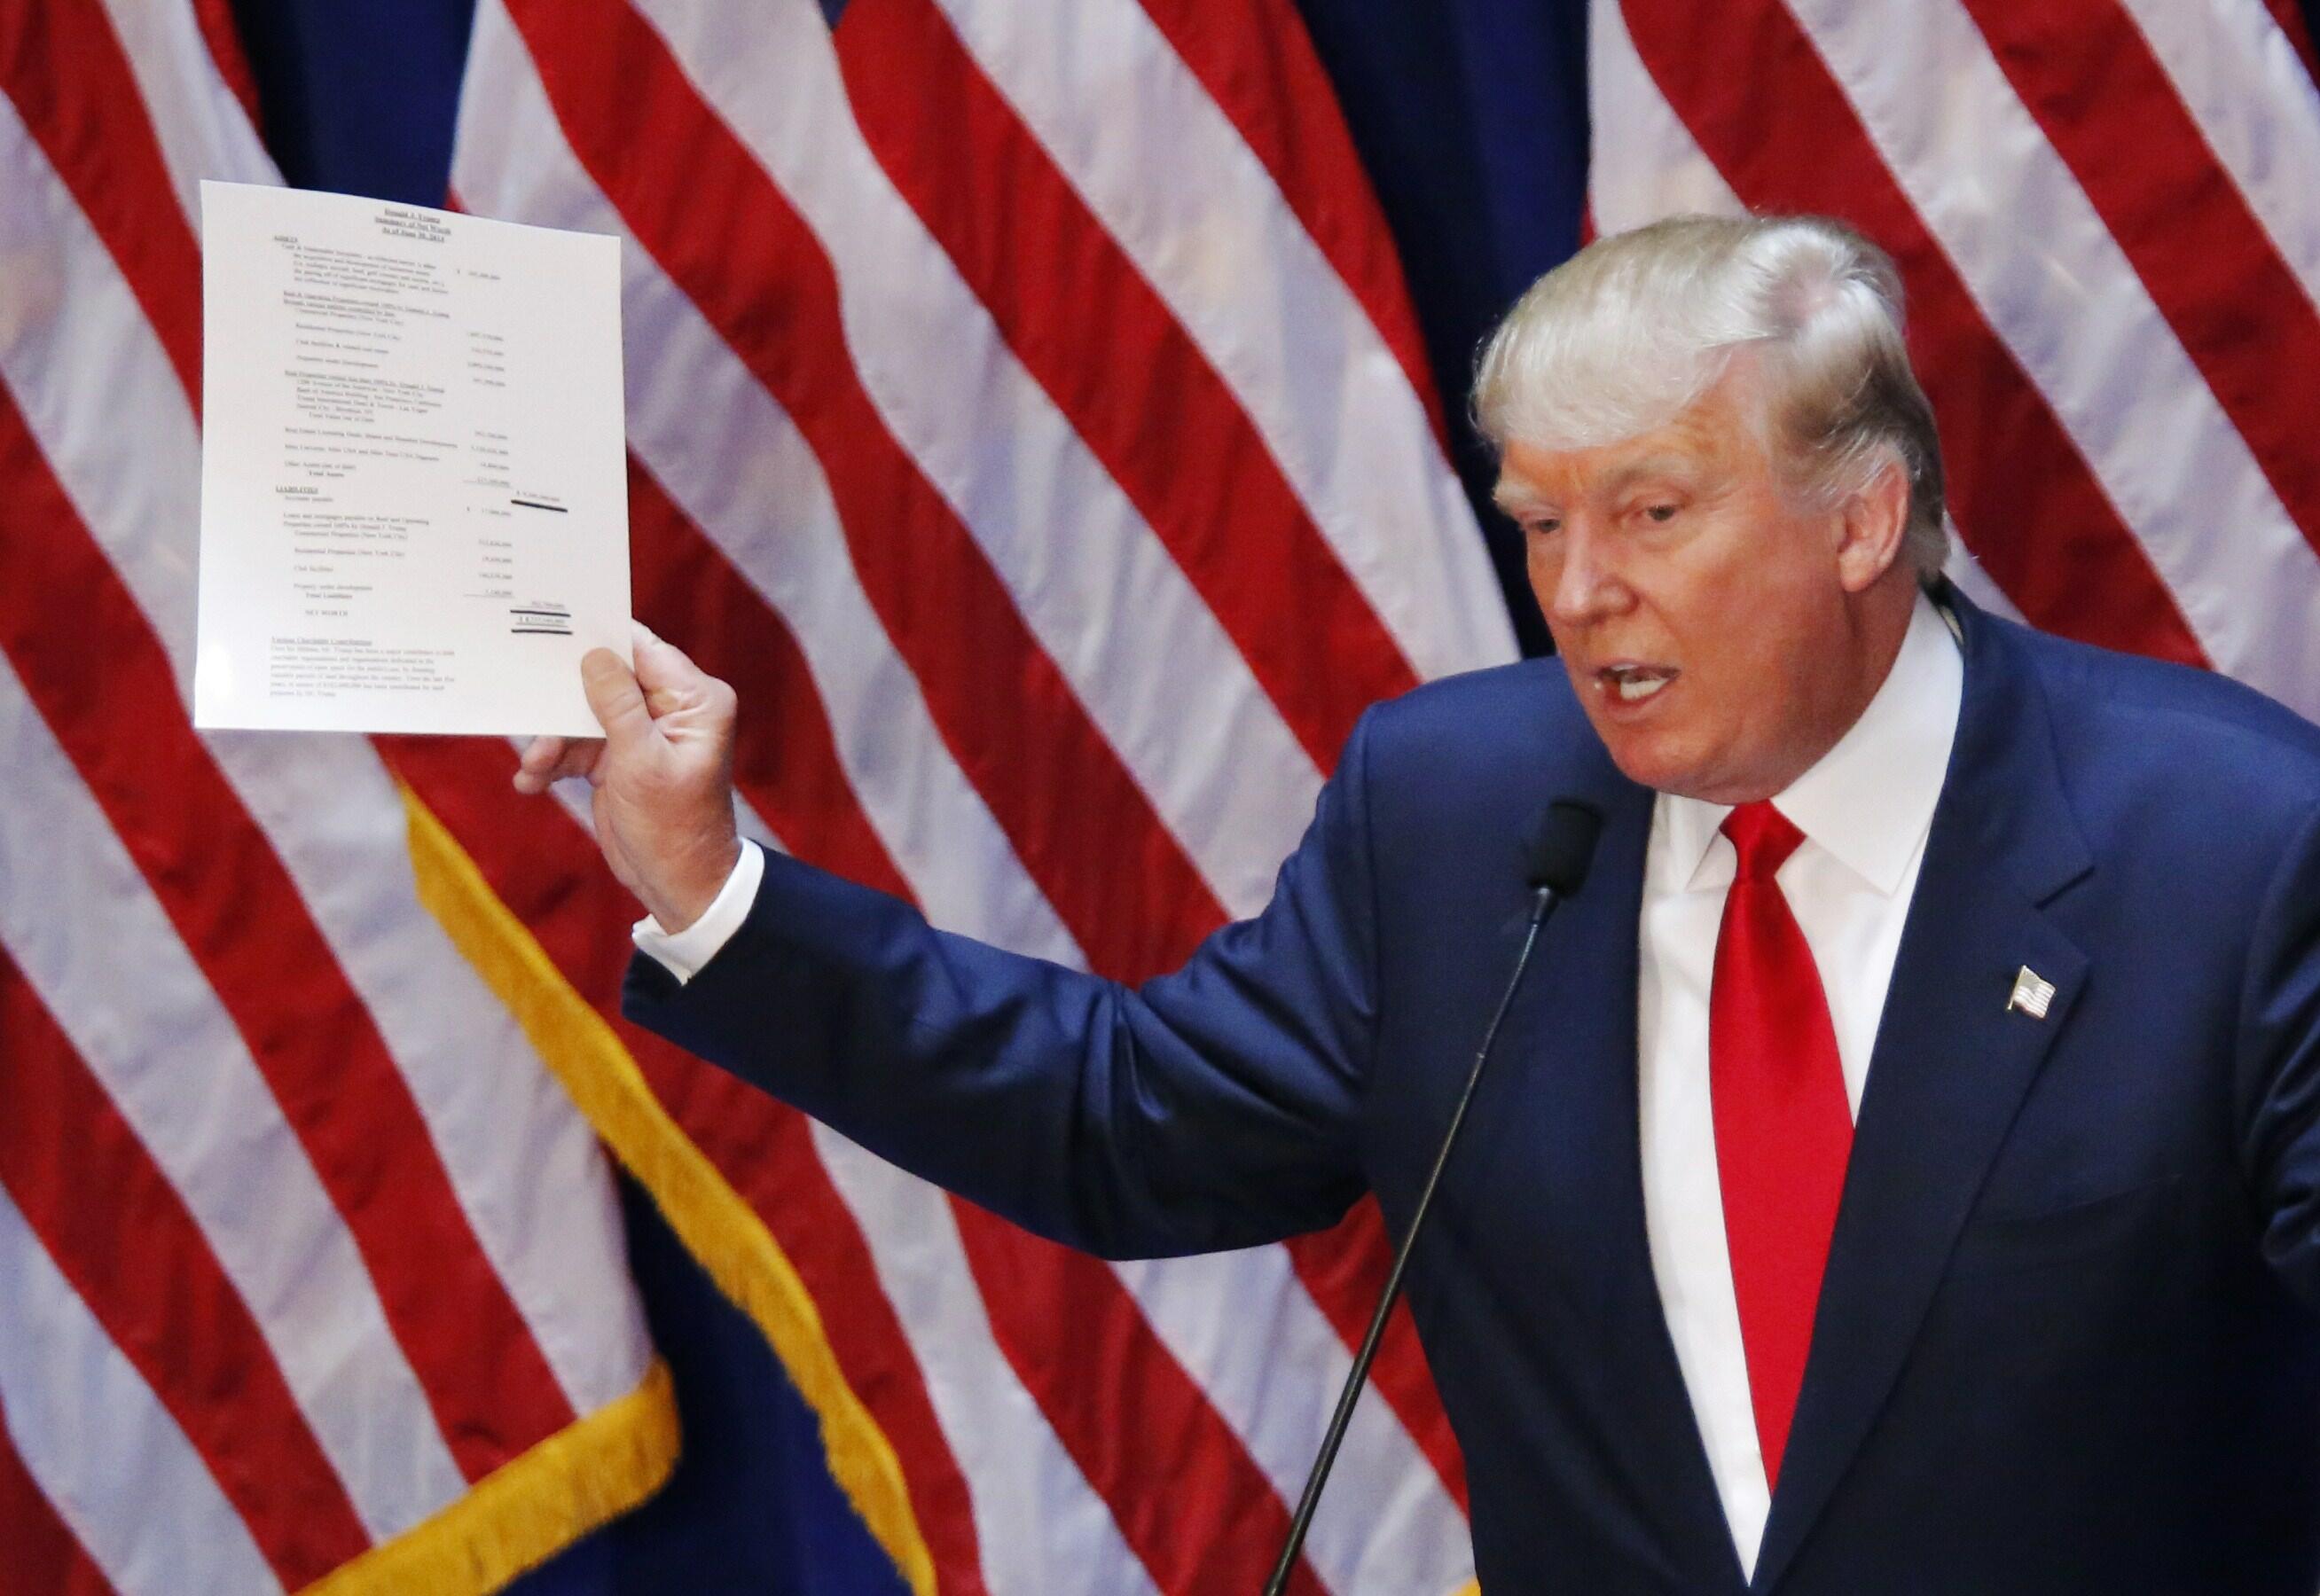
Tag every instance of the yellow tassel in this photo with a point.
(712, 1221)
(530, 1507)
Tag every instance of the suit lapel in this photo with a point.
(1951, 1064)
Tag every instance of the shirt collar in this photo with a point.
(1869, 801)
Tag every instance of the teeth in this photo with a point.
(1632, 681)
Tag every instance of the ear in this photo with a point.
(1873, 523)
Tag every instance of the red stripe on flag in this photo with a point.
(224, 41)
(2106, 106)
(1344, 1268)
(241, 915)
(2289, 15)
(765, 1150)
(1257, 63)
(547, 871)
(1100, 340)
(121, 1236)
(785, 757)
(36, 1547)
(1785, 138)
(63, 67)
(1121, 1403)
(697, 201)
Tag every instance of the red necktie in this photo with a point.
(1782, 1126)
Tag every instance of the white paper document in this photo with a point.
(414, 495)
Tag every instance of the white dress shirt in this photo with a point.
(1865, 810)
(684, 952)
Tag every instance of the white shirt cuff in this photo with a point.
(685, 951)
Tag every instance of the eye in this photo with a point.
(1662, 513)
(1540, 526)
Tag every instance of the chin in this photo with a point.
(1666, 765)
(1649, 762)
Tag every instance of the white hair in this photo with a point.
(1638, 326)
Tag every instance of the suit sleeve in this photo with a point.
(1212, 1108)
(2279, 1064)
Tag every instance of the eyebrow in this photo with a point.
(1514, 499)
(1626, 477)
(1518, 499)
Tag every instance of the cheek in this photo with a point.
(1730, 612)
(1570, 673)
(1543, 565)
(1757, 659)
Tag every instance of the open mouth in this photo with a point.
(1633, 683)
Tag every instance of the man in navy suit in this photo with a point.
(1903, 1170)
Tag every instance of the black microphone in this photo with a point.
(1557, 853)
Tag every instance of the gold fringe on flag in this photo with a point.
(530, 1507)
(712, 1221)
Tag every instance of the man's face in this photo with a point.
(1712, 621)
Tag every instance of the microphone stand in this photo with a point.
(1543, 898)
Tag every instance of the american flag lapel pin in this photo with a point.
(2032, 994)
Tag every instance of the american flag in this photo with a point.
(1028, 416)
(307, 1264)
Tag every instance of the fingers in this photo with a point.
(615, 698)
(540, 755)
(550, 759)
(627, 703)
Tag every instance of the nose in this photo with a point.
(1574, 578)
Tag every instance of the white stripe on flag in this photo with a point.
(1645, 165)
(2070, 305)
(2255, 102)
(202, 128)
(1238, 1320)
(1972, 580)
(528, 1168)
(1170, 179)
(105, 1452)
(731, 459)
(1097, 588)
(1642, 163)
(76, 348)
(1040, 1525)
(182, 1077)
(325, 804)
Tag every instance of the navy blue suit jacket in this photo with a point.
(2066, 1339)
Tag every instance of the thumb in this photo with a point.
(665, 672)
(614, 696)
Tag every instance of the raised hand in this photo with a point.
(662, 774)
